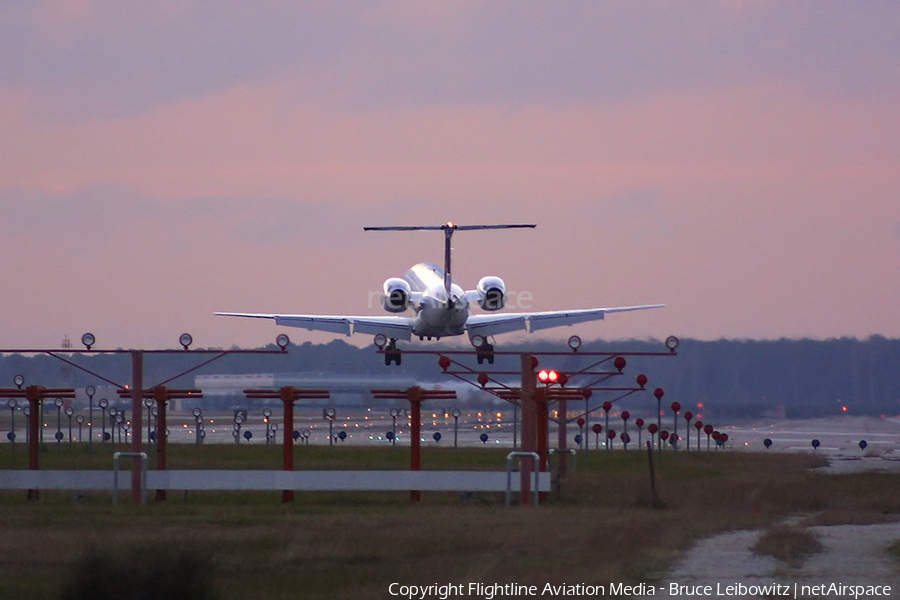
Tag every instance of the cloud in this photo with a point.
(106, 60)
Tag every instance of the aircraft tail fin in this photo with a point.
(448, 229)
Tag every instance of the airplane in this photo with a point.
(441, 306)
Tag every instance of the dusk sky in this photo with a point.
(160, 161)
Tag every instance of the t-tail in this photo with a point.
(448, 229)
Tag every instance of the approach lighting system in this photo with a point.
(380, 341)
(477, 341)
(19, 380)
(88, 340)
(548, 376)
(574, 343)
(671, 343)
(282, 341)
(186, 340)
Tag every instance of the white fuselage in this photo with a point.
(437, 315)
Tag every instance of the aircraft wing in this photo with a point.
(393, 327)
(490, 324)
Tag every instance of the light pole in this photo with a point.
(90, 391)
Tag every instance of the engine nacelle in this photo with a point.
(491, 293)
(395, 295)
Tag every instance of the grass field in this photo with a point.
(600, 529)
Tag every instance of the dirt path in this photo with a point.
(852, 555)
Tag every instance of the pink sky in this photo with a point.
(738, 161)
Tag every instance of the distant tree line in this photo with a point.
(731, 378)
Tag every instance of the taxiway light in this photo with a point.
(185, 340)
(88, 340)
(574, 343)
(380, 340)
(283, 341)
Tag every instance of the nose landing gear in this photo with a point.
(392, 353)
(485, 352)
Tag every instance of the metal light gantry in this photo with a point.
(533, 399)
(288, 396)
(415, 396)
(136, 388)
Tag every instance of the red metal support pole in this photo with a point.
(160, 394)
(137, 444)
(33, 394)
(528, 427)
(543, 431)
(415, 456)
(562, 440)
(287, 397)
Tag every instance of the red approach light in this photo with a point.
(641, 380)
(619, 363)
(626, 415)
(676, 406)
(483, 379)
(607, 406)
(659, 393)
(639, 422)
(844, 409)
(546, 376)
(597, 428)
(444, 362)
